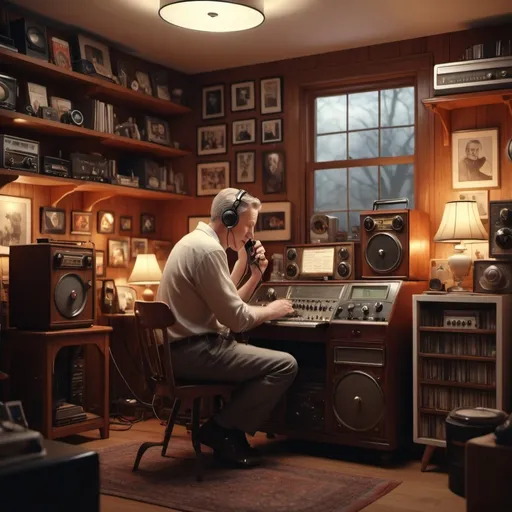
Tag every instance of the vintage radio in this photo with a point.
(8, 92)
(151, 175)
(492, 276)
(395, 243)
(500, 229)
(30, 38)
(48, 113)
(19, 154)
(54, 166)
(323, 228)
(52, 286)
(89, 167)
(323, 261)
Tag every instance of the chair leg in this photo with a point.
(195, 438)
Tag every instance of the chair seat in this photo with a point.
(203, 388)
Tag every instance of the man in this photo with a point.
(202, 294)
(474, 167)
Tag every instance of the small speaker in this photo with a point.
(30, 38)
(8, 92)
(500, 229)
(323, 228)
(492, 276)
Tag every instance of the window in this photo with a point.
(364, 150)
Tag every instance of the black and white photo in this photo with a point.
(273, 172)
(212, 177)
(213, 101)
(271, 131)
(97, 54)
(53, 220)
(271, 96)
(243, 96)
(245, 166)
(15, 222)
(244, 131)
(211, 140)
(106, 222)
(157, 131)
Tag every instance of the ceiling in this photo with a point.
(292, 28)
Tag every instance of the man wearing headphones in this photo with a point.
(200, 291)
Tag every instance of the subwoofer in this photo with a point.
(51, 286)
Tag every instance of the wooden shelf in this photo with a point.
(458, 358)
(443, 105)
(457, 331)
(437, 412)
(92, 422)
(92, 86)
(455, 384)
(94, 192)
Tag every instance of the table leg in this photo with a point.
(427, 454)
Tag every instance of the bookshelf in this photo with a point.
(455, 365)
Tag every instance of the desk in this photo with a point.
(31, 357)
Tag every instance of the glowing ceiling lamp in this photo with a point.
(213, 15)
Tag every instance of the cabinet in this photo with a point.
(461, 358)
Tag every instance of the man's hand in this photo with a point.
(261, 259)
(279, 308)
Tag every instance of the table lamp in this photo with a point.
(460, 222)
(146, 271)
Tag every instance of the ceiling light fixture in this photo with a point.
(213, 15)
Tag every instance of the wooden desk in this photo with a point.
(31, 357)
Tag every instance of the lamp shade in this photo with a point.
(213, 15)
(461, 221)
(145, 270)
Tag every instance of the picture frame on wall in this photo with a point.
(125, 223)
(15, 222)
(213, 101)
(81, 223)
(118, 253)
(52, 220)
(274, 222)
(106, 222)
(157, 131)
(212, 140)
(244, 131)
(271, 131)
(273, 163)
(482, 200)
(475, 159)
(138, 246)
(97, 54)
(245, 166)
(212, 177)
(271, 92)
(100, 263)
(194, 220)
(126, 296)
(243, 96)
(147, 223)
(161, 249)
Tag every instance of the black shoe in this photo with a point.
(242, 438)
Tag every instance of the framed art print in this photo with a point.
(81, 223)
(245, 166)
(243, 96)
(271, 96)
(244, 131)
(273, 163)
(212, 177)
(15, 222)
(100, 263)
(274, 222)
(53, 220)
(213, 102)
(271, 131)
(212, 140)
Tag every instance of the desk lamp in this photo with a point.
(146, 272)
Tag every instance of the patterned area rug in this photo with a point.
(273, 487)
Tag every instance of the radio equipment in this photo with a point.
(19, 154)
(90, 167)
(492, 276)
(323, 228)
(395, 243)
(338, 261)
(54, 166)
(8, 92)
(460, 319)
(64, 297)
(473, 75)
(30, 38)
(500, 229)
(48, 113)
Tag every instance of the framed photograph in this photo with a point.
(15, 222)
(245, 165)
(213, 101)
(53, 220)
(478, 251)
(97, 54)
(161, 249)
(475, 159)
(243, 96)
(81, 223)
(144, 83)
(194, 220)
(244, 131)
(273, 172)
(212, 140)
(147, 223)
(37, 96)
(139, 246)
(212, 177)
(274, 222)
(271, 95)
(126, 296)
(271, 131)
(100, 263)
(157, 131)
(125, 223)
(160, 82)
(118, 253)
(482, 200)
(60, 53)
(61, 105)
(106, 222)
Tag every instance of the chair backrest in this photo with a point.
(152, 320)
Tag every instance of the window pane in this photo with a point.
(354, 225)
(397, 181)
(397, 141)
(363, 187)
(363, 110)
(330, 190)
(397, 107)
(363, 144)
(331, 147)
(331, 114)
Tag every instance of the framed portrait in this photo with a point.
(138, 246)
(194, 220)
(212, 177)
(37, 96)
(157, 131)
(147, 223)
(144, 83)
(100, 263)
(52, 220)
(243, 96)
(15, 222)
(126, 296)
(212, 140)
(161, 249)
(245, 166)
(244, 131)
(271, 131)
(81, 223)
(106, 222)
(482, 200)
(273, 163)
(271, 90)
(125, 223)
(97, 54)
(274, 222)
(475, 159)
(213, 101)
(118, 253)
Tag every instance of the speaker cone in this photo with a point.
(70, 295)
(383, 252)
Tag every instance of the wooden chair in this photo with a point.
(152, 320)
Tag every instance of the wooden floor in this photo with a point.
(419, 492)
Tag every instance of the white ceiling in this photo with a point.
(292, 28)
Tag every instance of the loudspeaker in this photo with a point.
(30, 38)
(500, 229)
(51, 286)
(396, 244)
(492, 276)
(8, 92)
(229, 216)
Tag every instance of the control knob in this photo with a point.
(365, 310)
(504, 238)
(397, 223)
(58, 258)
(343, 254)
(379, 306)
(368, 223)
(271, 294)
(505, 214)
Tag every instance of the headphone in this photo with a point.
(230, 216)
